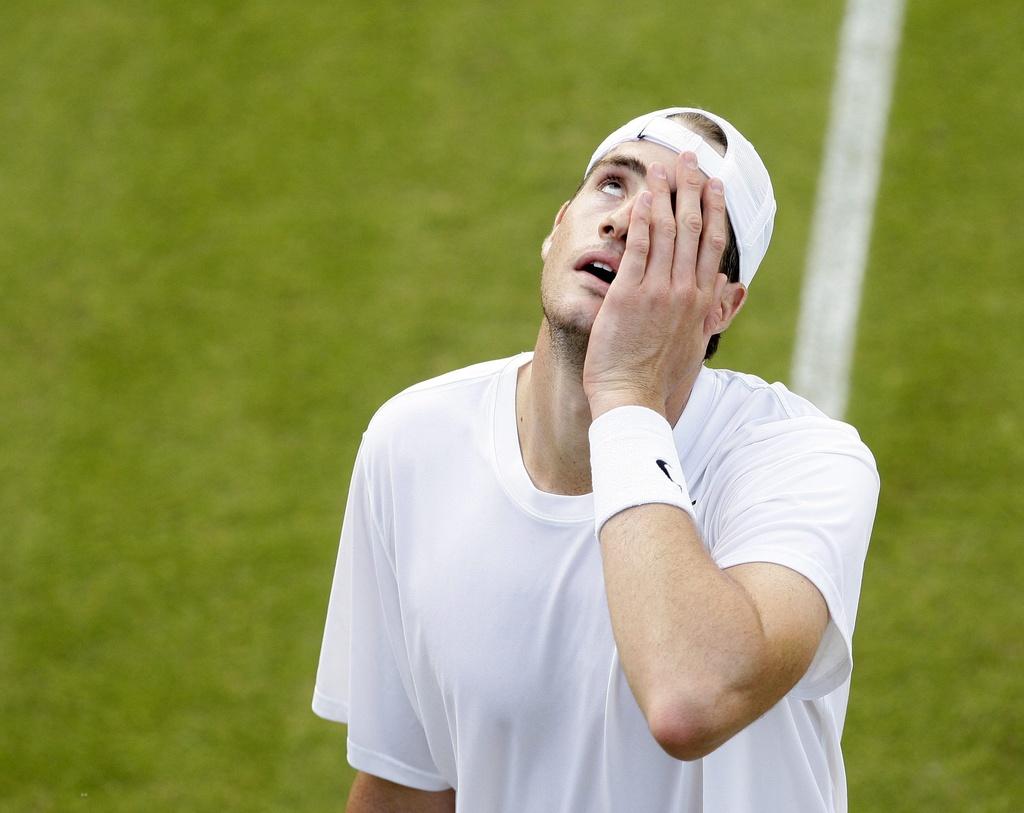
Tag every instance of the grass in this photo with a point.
(229, 230)
(933, 723)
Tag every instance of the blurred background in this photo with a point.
(229, 230)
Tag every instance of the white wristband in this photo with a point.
(633, 461)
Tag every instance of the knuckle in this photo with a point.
(660, 297)
(666, 224)
(693, 222)
(641, 245)
(717, 241)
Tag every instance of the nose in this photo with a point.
(616, 223)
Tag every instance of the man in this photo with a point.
(602, 576)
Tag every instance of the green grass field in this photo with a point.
(230, 230)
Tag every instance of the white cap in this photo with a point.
(748, 189)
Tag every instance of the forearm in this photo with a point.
(689, 636)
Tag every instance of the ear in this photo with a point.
(725, 309)
(546, 245)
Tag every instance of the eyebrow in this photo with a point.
(629, 162)
(634, 165)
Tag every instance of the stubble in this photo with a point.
(568, 340)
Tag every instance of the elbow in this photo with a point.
(686, 730)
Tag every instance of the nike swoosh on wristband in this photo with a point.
(663, 465)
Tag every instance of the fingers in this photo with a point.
(638, 242)
(686, 246)
(702, 227)
(689, 187)
(663, 226)
(714, 236)
(652, 232)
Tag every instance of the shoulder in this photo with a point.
(766, 427)
(452, 402)
(757, 398)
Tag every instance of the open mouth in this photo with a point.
(602, 271)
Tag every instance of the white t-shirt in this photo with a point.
(468, 643)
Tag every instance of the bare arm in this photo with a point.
(371, 794)
(705, 651)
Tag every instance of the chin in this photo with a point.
(569, 335)
(564, 318)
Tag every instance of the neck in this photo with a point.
(553, 414)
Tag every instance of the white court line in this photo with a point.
(847, 188)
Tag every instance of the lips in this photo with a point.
(603, 265)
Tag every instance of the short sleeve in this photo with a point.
(808, 504)
(364, 677)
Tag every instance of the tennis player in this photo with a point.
(604, 577)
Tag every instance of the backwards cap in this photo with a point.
(748, 189)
